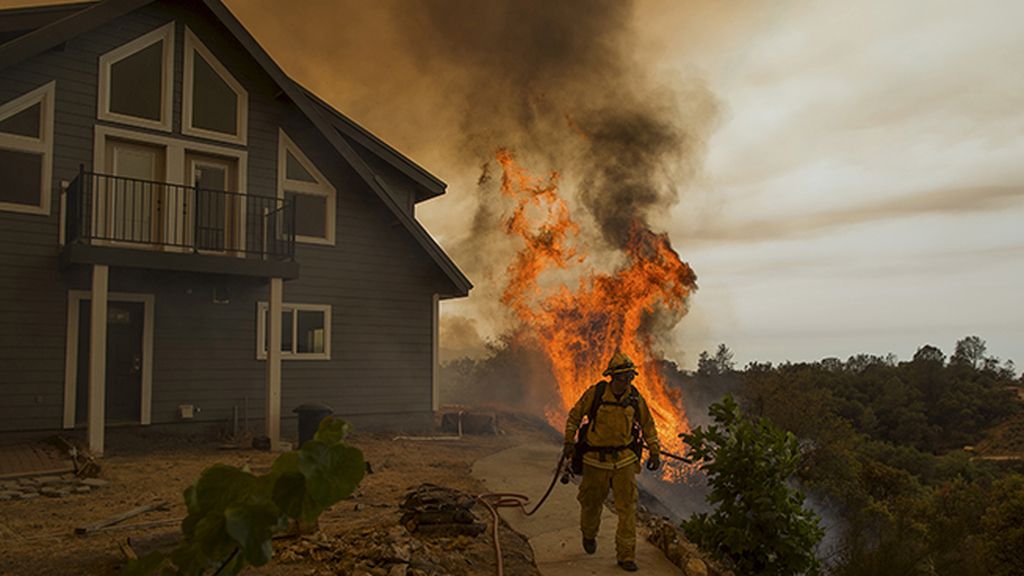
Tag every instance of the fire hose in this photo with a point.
(494, 500)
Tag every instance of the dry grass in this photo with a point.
(37, 536)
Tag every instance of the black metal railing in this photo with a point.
(116, 210)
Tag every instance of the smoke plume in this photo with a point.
(557, 84)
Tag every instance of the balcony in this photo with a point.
(122, 221)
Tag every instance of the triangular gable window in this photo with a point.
(26, 151)
(26, 123)
(295, 171)
(137, 79)
(215, 104)
(311, 193)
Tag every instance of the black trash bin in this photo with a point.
(310, 417)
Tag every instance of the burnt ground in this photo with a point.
(361, 535)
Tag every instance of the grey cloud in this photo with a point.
(944, 201)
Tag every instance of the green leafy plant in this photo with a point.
(233, 513)
(759, 524)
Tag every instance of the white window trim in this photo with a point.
(175, 150)
(322, 187)
(192, 45)
(164, 33)
(75, 298)
(261, 330)
(44, 95)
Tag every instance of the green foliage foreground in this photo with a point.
(232, 513)
(759, 524)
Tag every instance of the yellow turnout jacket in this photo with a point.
(612, 426)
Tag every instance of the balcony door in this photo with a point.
(131, 204)
(217, 209)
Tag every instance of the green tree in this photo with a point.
(929, 354)
(723, 359)
(706, 365)
(1003, 526)
(969, 352)
(759, 524)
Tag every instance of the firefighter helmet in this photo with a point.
(619, 363)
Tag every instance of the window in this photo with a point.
(305, 331)
(299, 181)
(214, 104)
(26, 151)
(137, 80)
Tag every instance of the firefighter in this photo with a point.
(611, 454)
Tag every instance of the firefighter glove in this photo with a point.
(654, 461)
(568, 450)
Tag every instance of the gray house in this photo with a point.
(248, 247)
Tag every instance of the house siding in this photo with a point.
(377, 279)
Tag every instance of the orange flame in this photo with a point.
(579, 330)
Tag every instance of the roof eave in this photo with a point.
(42, 39)
(430, 186)
(312, 111)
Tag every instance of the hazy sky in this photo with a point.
(863, 185)
(865, 191)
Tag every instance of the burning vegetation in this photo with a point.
(564, 245)
(577, 330)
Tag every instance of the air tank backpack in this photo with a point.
(582, 447)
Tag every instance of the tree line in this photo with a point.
(891, 447)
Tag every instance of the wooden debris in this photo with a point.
(437, 511)
(82, 530)
(127, 550)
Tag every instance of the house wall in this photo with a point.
(377, 279)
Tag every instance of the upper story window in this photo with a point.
(137, 81)
(26, 151)
(214, 103)
(314, 197)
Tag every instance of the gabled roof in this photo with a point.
(429, 185)
(336, 128)
(19, 21)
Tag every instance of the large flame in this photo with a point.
(580, 329)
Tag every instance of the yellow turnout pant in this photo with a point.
(594, 489)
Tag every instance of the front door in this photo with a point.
(125, 325)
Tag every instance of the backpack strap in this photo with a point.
(632, 399)
(596, 402)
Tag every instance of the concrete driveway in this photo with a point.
(554, 531)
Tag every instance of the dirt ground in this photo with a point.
(37, 536)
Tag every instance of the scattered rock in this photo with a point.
(695, 567)
(48, 480)
(680, 551)
(82, 490)
(94, 482)
(51, 492)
